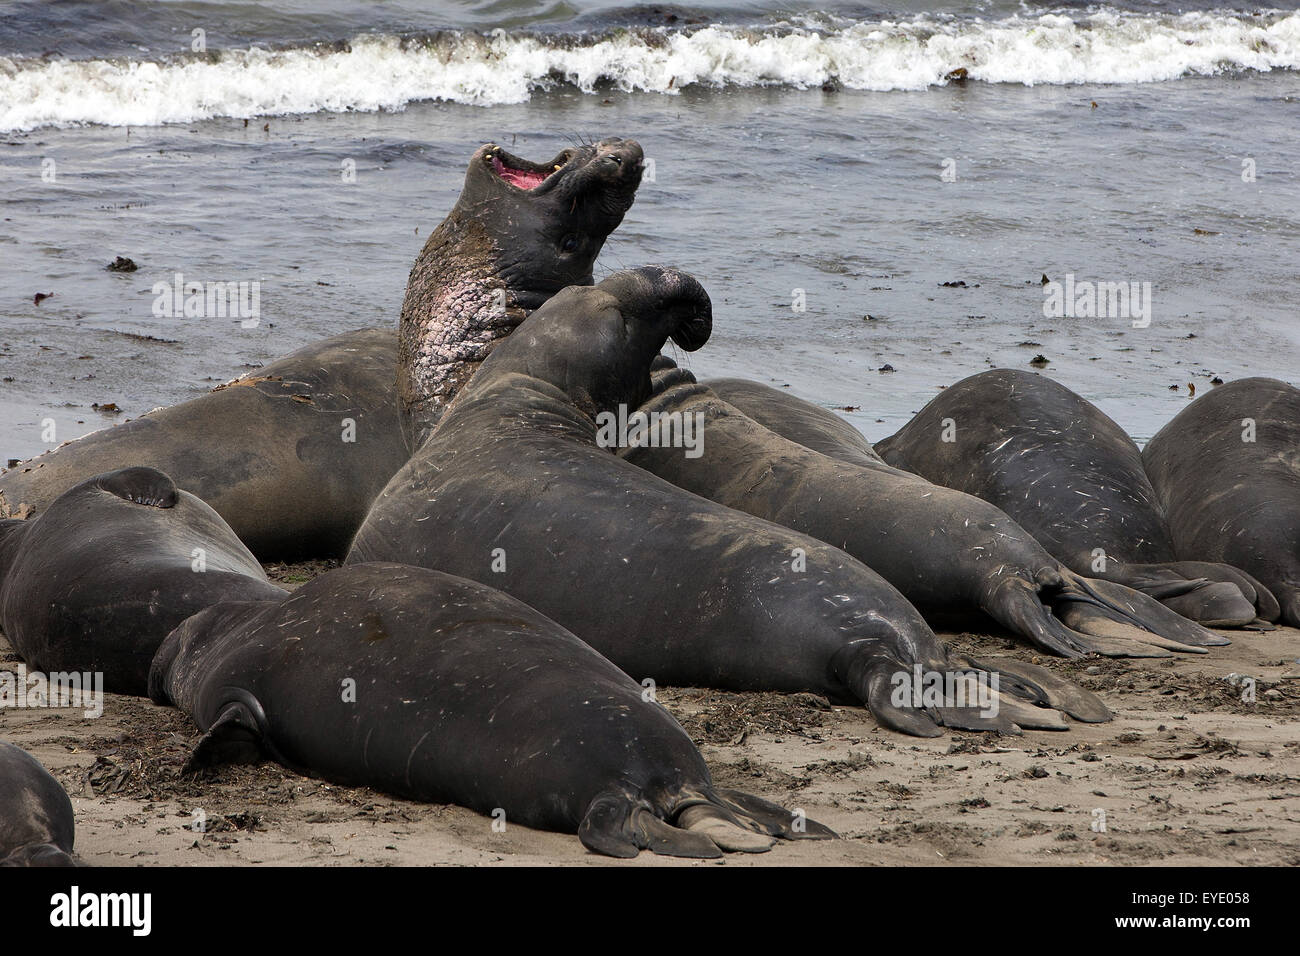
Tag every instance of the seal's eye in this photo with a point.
(569, 243)
(616, 160)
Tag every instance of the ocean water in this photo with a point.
(859, 186)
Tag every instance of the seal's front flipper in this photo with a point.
(143, 486)
(234, 737)
(619, 825)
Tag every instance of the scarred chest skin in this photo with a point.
(519, 233)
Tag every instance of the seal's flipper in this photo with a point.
(1146, 613)
(971, 718)
(144, 486)
(1015, 604)
(719, 827)
(618, 825)
(871, 680)
(1028, 716)
(1213, 604)
(1038, 684)
(234, 737)
(1101, 632)
(774, 818)
(1263, 601)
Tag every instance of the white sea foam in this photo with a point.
(382, 72)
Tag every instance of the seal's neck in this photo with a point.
(457, 307)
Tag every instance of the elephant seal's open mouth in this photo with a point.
(520, 232)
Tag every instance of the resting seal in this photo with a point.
(797, 420)
(290, 455)
(95, 582)
(944, 550)
(1227, 470)
(1074, 480)
(519, 233)
(460, 695)
(513, 490)
(36, 824)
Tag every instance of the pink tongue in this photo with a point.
(517, 177)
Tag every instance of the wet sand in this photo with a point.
(1187, 773)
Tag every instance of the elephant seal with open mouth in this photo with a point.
(519, 233)
(435, 688)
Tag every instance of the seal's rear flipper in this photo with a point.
(1029, 681)
(1071, 616)
(1134, 607)
(722, 829)
(619, 825)
(872, 680)
(234, 737)
(144, 486)
(1213, 595)
(774, 818)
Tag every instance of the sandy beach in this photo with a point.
(1186, 774)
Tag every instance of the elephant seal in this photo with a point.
(459, 694)
(1071, 477)
(97, 580)
(513, 489)
(947, 552)
(36, 823)
(1227, 471)
(519, 233)
(797, 420)
(290, 455)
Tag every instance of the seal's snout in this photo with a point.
(688, 306)
(624, 157)
(672, 300)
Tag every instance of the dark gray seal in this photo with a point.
(439, 689)
(519, 233)
(513, 490)
(36, 823)
(797, 420)
(97, 580)
(949, 553)
(291, 455)
(1073, 479)
(1227, 471)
